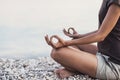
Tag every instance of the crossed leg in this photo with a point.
(76, 59)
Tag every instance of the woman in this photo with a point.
(78, 55)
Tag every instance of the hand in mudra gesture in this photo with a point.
(71, 32)
(60, 42)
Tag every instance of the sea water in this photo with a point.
(23, 24)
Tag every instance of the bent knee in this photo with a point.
(55, 53)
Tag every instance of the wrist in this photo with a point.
(68, 42)
(81, 35)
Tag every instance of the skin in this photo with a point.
(78, 55)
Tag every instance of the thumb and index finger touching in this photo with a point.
(51, 42)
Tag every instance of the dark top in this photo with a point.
(111, 45)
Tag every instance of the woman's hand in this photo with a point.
(71, 32)
(60, 43)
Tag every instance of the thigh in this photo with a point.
(91, 48)
(79, 60)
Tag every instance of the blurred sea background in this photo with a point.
(24, 23)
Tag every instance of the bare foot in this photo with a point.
(63, 73)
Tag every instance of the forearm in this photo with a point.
(88, 38)
(106, 27)
(83, 35)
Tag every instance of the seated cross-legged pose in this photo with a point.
(79, 56)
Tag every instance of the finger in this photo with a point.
(69, 35)
(72, 29)
(47, 39)
(59, 39)
(51, 41)
(56, 37)
(66, 33)
(64, 30)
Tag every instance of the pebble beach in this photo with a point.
(41, 68)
